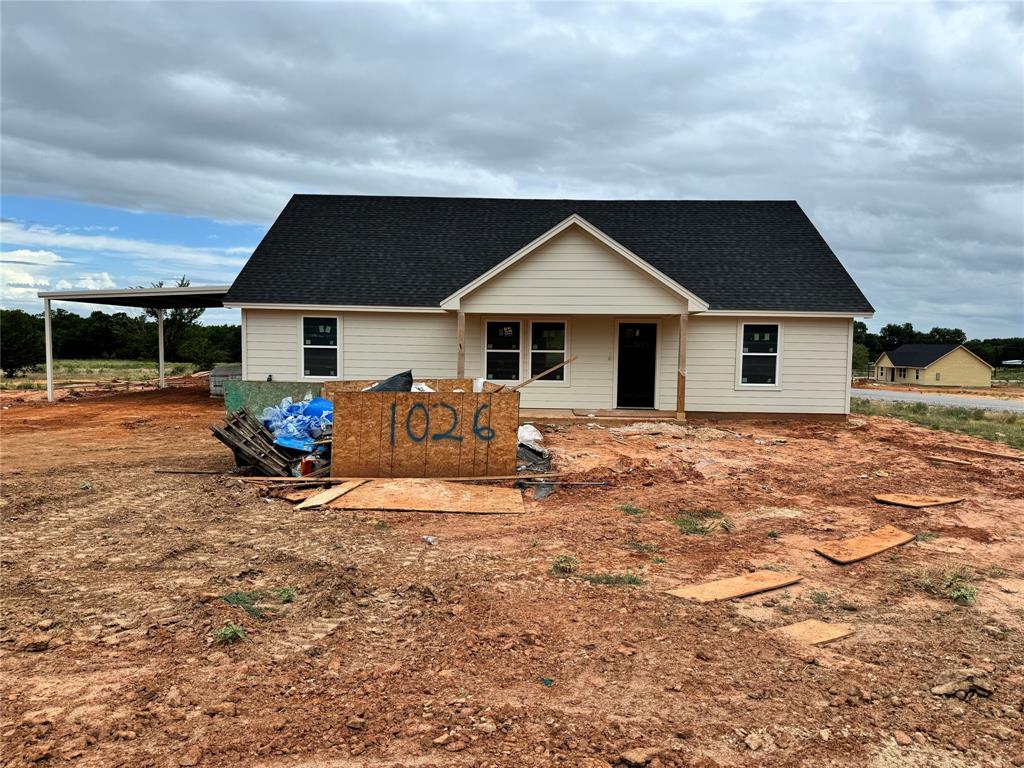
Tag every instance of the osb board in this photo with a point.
(424, 434)
(915, 501)
(254, 396)
(322, 498)
(814, 632)
(424, 495)
(737, 586)
(860, 547)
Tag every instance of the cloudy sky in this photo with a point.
(144, 141)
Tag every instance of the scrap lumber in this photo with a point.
(981, 452)
(737, 586)
(861, 547)
(287, 479)
(430, 495)
(252, 443)
(322, 498)
(916, 502)
(542, 374)
(189, 471)
(949, 460)
(815, 632)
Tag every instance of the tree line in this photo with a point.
(868, 346)
(116, 336)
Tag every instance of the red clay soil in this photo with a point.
(1002, 393)
(470, 652)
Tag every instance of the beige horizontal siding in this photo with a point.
(814, 367)
(271, 344)
(575, 274)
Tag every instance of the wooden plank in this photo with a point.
(446, 434)
(980, 452)
(286, 480)
(914, 501)
(345, 449)
(737, 586)
(428, 495)
(860, 547)
(460, 338)
(815, 632)
(948, 460)
(411, 433)
(541, 375)
(501, 450)
(684, 321)
(370, 429)
(319, 499)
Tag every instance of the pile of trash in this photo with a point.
(299, 425)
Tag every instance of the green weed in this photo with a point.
(614, 579)
(229, 634)
(286, 594)
(564, 564)
(246, 601)
(998, 426)
(632, 511)
(925, 536)
(702, 521)
(641, 547)
(953, 583)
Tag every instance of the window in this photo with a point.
(547, 348)
(320, 347)
(917, 374)
(503, 350)
(881, 372)
(903, 373)
(759, 365)
(938, 377)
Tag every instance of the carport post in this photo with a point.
(160, 344)
(49, 349)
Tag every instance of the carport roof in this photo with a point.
(155, 298)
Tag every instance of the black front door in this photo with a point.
(638, 347)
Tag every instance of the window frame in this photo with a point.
(738, 382)
(526, 348)
(303, 346)
(917, 374)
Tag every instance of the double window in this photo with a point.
(320, 347)
(759, 354)
(504, 348)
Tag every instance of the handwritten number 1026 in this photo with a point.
(480, 431)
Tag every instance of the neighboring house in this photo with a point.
(680, 306)
(933, 365)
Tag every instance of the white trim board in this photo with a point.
(337, 308)
(694, 302)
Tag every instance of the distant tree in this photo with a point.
(861, 357)
(894, 335)
(176, 320)
(22, 341)
(946, 336)
(861, 335)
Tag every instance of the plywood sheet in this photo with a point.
(860, 547)
(426, 495)
(446, 436)
(319, 499)
(501, 450)
(814, 632)
(915, 501)
(737, 586)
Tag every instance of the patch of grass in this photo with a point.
(246, 601)
(925, 536)
(701, 522)
(632, 511)
(229, 634)
(614, 579)
(772, 534)
(565, 564)
(995, 572)
(382, 525)
(998, 426)
(641, 547)
(658, 560)
(818, 597)
(86, 486)
(286, 594)
(953, 583)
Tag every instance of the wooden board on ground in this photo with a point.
(981, 452)
(737, 586)
(915, 501)
(860, 547)
(319, 499)
(814, 632)
(948, 460)
(426, 495)
(423, 434)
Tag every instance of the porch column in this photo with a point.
(684, 321)
(49, 349)
(160, 344)
(461, 336)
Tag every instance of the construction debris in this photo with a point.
(737, 586)
(914, 501)
(424, 495)
(322, 498)
(815, 632)
(861, 547)
(252, 444)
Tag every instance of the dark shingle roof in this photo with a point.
(919, 355)
(416, 251)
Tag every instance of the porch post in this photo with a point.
(49, 349)
(160, 344)
(684, 321)
(461, 335)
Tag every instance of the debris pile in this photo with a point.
(253, 444)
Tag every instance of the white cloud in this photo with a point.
(17, 283)
(95, 281)
(25, 256)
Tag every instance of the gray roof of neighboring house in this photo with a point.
(919, 355)
(416, 251)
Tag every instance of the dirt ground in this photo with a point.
(1001, 393)
(470, 652)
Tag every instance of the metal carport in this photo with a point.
(144, 298)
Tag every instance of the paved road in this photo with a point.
(954, 401)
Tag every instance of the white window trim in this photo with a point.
(526, 347)
(738, 383)
(302, 347)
